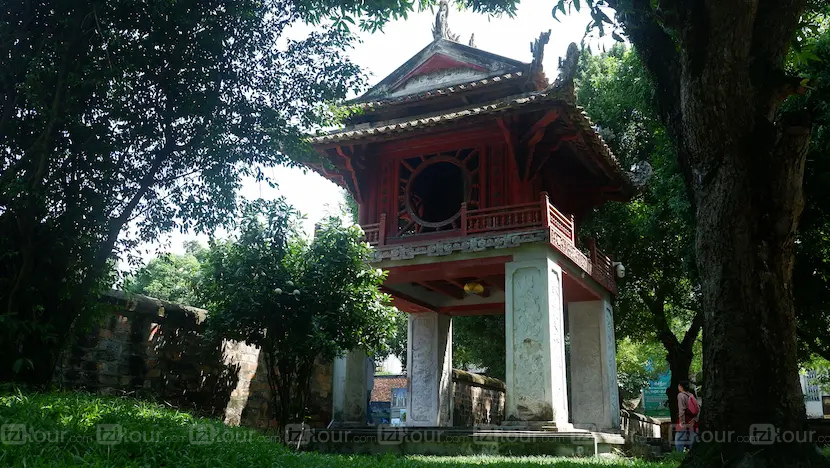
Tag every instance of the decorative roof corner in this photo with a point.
(537, 48)
(568, 67)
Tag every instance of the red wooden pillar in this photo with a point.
(382, 230)
(592, 248)
(464, 219)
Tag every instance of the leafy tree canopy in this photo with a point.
(170, 277)
(297, 301)
(120, 120)
(811, 274)
(478, 341)
(652, 235)
(721, 88)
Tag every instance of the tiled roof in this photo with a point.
(382, 390)
(580, 119)
(433, 93)
(403, 125)
(576, 114)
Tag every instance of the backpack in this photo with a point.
(692, 409)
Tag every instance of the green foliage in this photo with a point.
(350, 207)
(121, 120)
(478, 341)
(154, 435)
(145, 114)
(170, 277)
(297, 301)
(633, 361)
(164, 440)
(821, 367)
(811, 274)
(653, 234)
(371, 16)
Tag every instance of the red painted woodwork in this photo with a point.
(532, 171)
(485, 266)
(514, 218)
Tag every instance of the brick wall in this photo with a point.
(477, 399)
(155, 349)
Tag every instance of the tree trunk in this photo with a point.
(718, 69)
(679, 364)
(747, 177)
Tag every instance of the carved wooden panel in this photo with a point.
(496, 177)
(418, 212)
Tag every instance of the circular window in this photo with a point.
(436, 191)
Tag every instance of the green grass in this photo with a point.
(64, 431)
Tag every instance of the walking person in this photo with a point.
(687, 422)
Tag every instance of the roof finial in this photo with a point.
(537, 48)
(567, 70)
(568, 65)
(472, 42)
(441, 29)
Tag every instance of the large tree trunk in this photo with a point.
(746, 176)
(679, 365)
(719, 73)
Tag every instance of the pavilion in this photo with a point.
(473, 174)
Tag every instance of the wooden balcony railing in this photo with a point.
(373, 232)
(602, 268)
(523, 217)
(501, 219)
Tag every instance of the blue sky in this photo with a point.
(381, 53)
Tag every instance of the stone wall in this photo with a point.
(477, 400)
(158, 350)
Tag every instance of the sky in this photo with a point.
(380, 54)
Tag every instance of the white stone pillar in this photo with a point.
(594, 393)
(535, 347)
(429, 367)
(349, 389)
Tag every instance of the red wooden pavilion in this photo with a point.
(473, 174)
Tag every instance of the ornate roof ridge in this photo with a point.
(439, 92)
(394, 126)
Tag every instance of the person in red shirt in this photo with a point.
(687, 421)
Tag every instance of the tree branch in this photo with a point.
(694, 330)
(775, 23)
(657, 308)
(115, 225)
(658, 52)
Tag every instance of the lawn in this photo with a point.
(76, 429)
